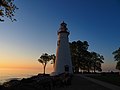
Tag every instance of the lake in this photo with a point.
(7, 74)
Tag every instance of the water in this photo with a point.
(7, 74)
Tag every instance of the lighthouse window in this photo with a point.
(58, 43)
(66, 68)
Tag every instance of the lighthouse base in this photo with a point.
(53, 74)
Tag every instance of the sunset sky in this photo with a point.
(35, 32)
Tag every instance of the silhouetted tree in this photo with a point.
(78, 52)
(7, 9)
(53, 57)
(116, 54)
(44, 59)
(82, 59)
(87, 61)
(96, 60)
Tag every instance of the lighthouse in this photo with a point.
(63, 61)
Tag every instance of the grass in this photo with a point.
(113, 79)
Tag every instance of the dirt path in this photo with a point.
(79, 83)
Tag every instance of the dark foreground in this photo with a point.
(39, 82)
(79, 83)
(52, 83)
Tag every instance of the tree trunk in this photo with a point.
(88, 69)
(94, 68)
(76, 70)
(44, 69)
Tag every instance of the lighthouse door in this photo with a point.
(66, 68)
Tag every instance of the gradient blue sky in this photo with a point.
(35, 32)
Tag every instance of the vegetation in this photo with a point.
(116, 54)
(44, 59)
(84, 60)
(78, 51)
(7, 9)
(96, 61)
(53, 57)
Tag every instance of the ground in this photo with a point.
(80, 83)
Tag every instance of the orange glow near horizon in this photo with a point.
(36, 65)
(24, 64)
(11, 59)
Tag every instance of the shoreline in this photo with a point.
(40, 81)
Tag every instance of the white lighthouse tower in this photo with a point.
(63, 61)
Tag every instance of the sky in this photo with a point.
(35, 31)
